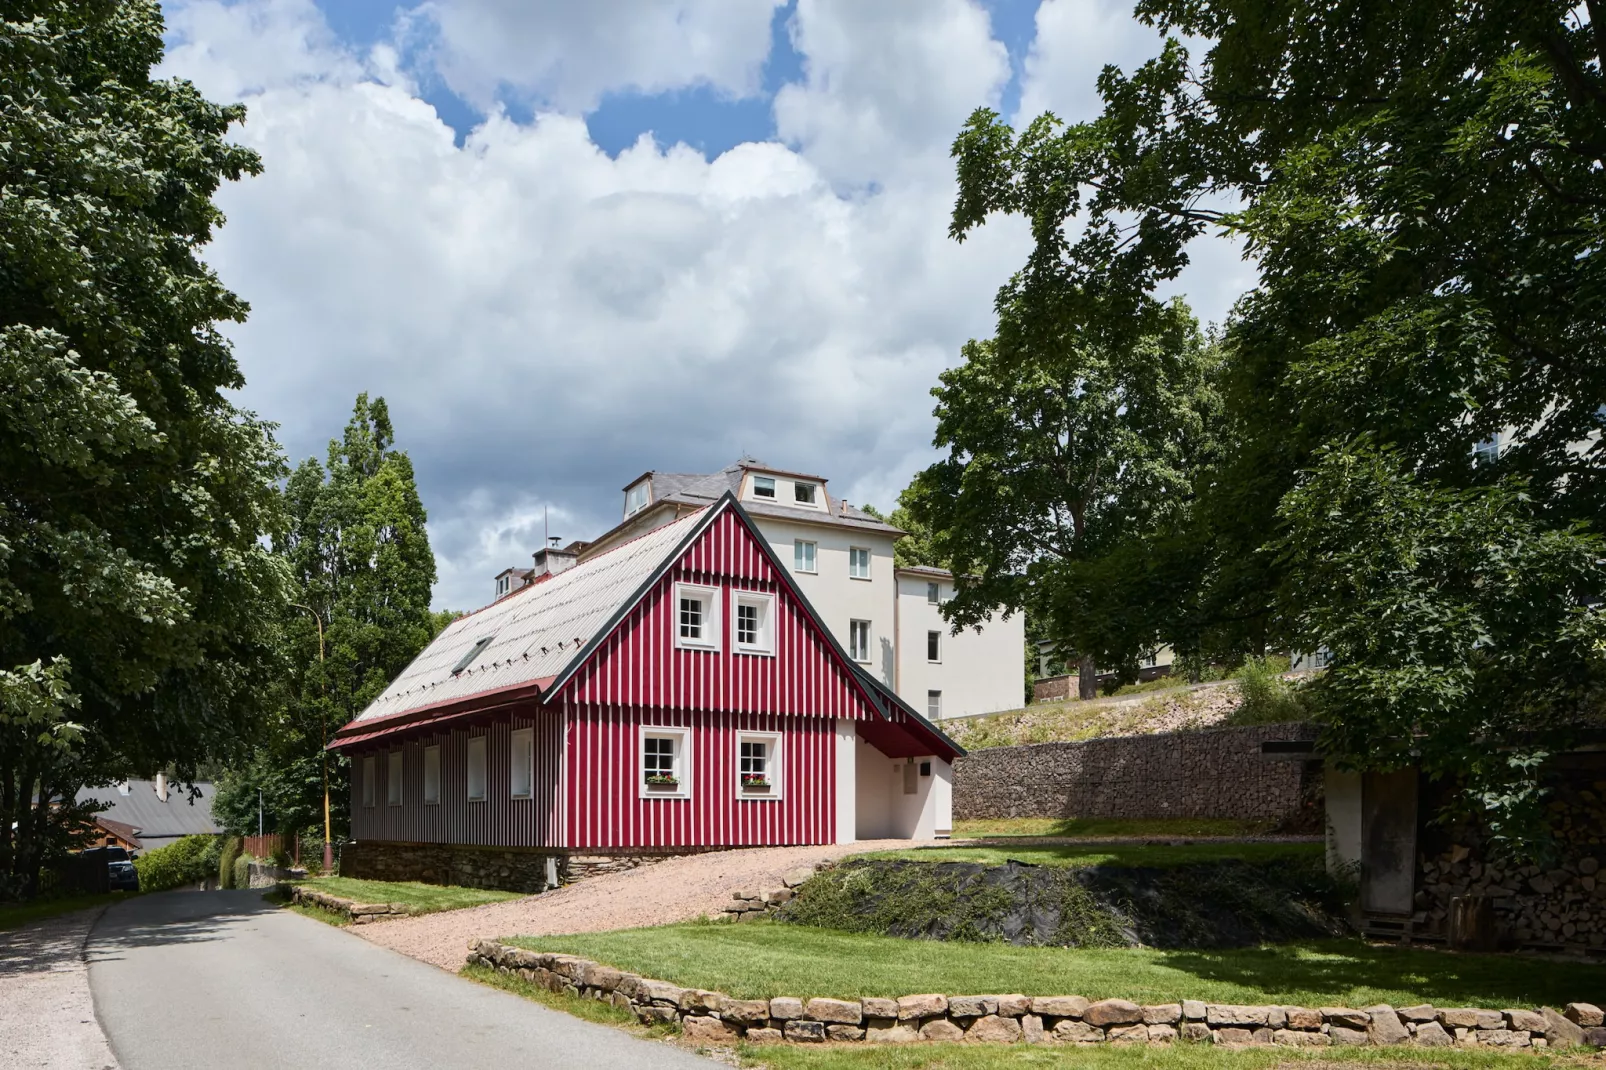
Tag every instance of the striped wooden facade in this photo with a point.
(588, 749)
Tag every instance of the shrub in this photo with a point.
(225, 866)
(1267, 698)
(189, 860)
(242, 871)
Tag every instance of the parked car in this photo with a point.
(120, 871)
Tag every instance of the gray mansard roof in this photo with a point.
(699, 490)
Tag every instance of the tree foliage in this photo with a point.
(137, 601)
(359, 553)
(1068, 460)
(1419, 187)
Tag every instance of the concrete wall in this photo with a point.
(1218, 772)
(886, 811)
(977, 671)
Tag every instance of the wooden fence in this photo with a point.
(268, 846)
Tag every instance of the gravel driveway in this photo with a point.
(47, 1017)
(676, 889)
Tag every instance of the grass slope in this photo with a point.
(15, 914)
(763, 959)
(1108, 826)
(422, 898)
(1136, 854)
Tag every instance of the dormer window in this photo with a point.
(804, 493)
(636, 498)
(502, 585)
(764, 487)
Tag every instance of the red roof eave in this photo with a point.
(361, 730)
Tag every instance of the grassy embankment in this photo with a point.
(1179, 827)
(1161, 855)
(422, 898)
(15, 914)
(763, 959)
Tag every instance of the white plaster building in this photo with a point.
(887, 618)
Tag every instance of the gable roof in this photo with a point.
(533, 634)
(534, 640)
(154, 817)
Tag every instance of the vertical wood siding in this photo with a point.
(639, 665)
(498, 821)
(602, 803)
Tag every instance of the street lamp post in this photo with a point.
(323, 717)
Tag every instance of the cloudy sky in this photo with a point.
(569, 242)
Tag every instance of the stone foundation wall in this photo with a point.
(509, 869)
(1216, 772)
(716, 1018)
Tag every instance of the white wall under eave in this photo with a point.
(1343, 794)
(847, 781)
(886, 811)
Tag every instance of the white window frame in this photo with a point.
(813, 489)
(765, 602)
(432, 775)
(393, 779)
(370, 774)
(682, 762)
(525, 738)
(933, 593)
(646, 497)
(932, 633)
(766, 482)
(862, 657)
(503, 583)
(933, 705)
(853, 558)
(475, 757)
(798, 555)
(773, 766)
(709, 596)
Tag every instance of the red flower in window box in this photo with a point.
(663, 780)
(755, 780)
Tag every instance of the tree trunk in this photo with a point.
(1087, 678)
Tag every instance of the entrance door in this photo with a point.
(1388, 841)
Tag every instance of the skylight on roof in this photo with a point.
(468, 659)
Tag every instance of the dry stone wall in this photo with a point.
(1215, 772)
(715, 1018)
(503, 868)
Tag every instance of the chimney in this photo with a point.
(549, 560)
(161, 786)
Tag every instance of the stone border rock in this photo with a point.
(358, 913)
(714, 1017)
(750, 903)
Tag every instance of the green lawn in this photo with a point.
(15, 914)
(761, 959)
(1116, 1057)
(1109, 826)
(422, 898)
(1135, 854)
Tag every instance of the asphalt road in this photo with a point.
(212, 979)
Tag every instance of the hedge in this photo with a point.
(189, 860)
(225, 866)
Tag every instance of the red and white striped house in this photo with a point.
(673, 694)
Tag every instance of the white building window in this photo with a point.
(764, 487)
(1487, 452)
(393, 791)
(933, 593)
(665, 763)
(696, 617)
(803, 555)
(758, 765)
(933, 646)
(859, 640)
(636, 498)
(476, 769)
(502, 584)
(368, 776)
(934, 705)
(432, 775)
(755, 626)
(858, 563)
(804, 493)
(521, 778)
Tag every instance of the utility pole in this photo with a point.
(323, 714)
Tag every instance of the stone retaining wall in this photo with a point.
(1216, 772)
(714, 1017)
(359, 913)
(509, 869)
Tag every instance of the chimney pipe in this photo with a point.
(161, 786)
